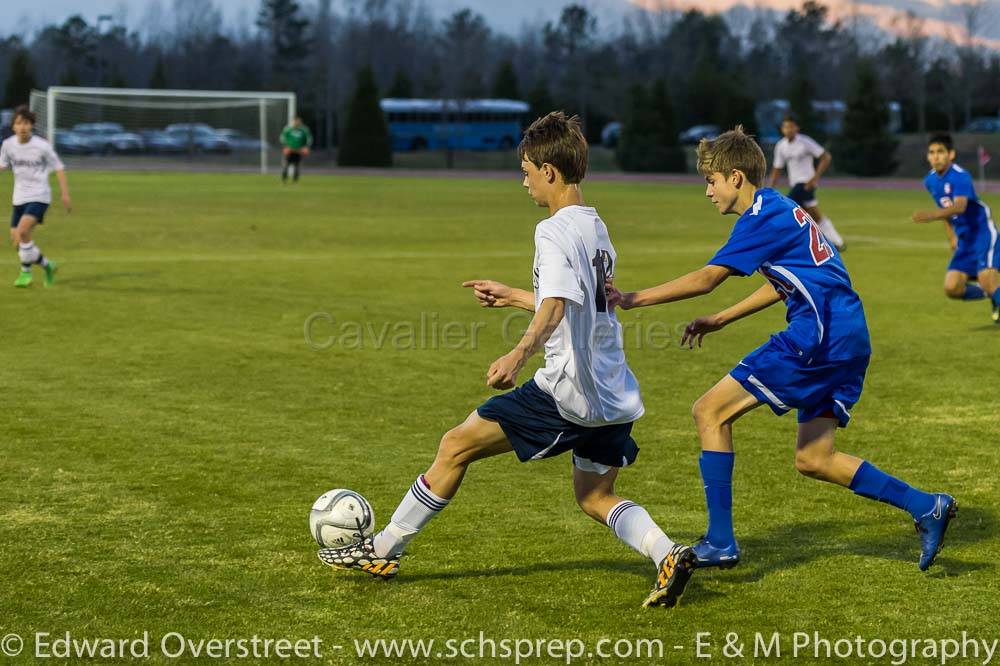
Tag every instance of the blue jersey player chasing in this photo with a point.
(817, 365)
(970, 227)
(583, 400)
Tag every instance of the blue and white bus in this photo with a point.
(471, 124)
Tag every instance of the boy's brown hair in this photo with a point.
(557, 140)
(25, 112)
(732, 151)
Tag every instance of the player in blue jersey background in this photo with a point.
(817, 365)
(969, 224)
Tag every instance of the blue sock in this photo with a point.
(871, 482)
(717, 473)
(996, 298)
(973, 292)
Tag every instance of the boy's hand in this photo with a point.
(491, 294)
(618, 299)
(699, 328)
(503, 372)
(923, 216)
(67, 203)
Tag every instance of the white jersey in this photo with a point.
(585, 370)
(32, 162)
(798, 157)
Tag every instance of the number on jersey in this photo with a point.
(821, 252)
(604, 271)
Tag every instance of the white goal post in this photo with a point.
(99, 121)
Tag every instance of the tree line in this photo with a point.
(707, 68)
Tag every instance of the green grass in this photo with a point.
(167, 426)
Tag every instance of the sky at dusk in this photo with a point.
(942, 17)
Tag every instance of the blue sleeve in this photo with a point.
(748, 247)
(961, 186)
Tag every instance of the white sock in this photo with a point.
(826, 226)
(634, 526)
(29, 254)
(419, 505)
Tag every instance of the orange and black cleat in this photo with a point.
(360, 556)
(672, 577)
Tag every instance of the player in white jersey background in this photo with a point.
(583, 400)
(32, 159)
(798, 154)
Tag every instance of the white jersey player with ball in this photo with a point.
(584, 400)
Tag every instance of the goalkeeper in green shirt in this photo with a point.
(295, 142)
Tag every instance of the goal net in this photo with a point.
(214, 129)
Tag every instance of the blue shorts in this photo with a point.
(984, 254)
(34, 208)
(775, 375)
(802, 196)
(530, 419)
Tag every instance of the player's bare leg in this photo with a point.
(714, 414)
(476, 438)
(595, 493)
(816, 457)
(26, 250)
(958, 287)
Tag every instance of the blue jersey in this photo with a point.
(826, 321)
(970, 226)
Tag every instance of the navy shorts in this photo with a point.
(34, 208)
(971, 258)
(802, 196)
(530, 419)
(776, 375)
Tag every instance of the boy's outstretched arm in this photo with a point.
(696, 283)
(503, 371)
(493, 294)
(957, 207)
(64, 190)
(696, 331)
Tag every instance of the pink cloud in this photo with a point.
(887, 18)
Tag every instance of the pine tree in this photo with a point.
(649, 135)
(366, 140)
(505, 84)
(801, 94)
(20, 80)
(158, 79)
(401, 87)
(866, 147)
(287, 32)
(540, 100)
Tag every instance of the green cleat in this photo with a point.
(23, 280)
(50, 273)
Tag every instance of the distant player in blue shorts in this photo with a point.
(583, 400)
(969, 224)
(817, 365)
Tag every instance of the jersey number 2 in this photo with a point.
(603, 271)
(821, 252)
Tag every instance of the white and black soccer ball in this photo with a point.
(340, 517)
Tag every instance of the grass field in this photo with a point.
(168, 426)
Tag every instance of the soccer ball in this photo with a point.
(340, 517)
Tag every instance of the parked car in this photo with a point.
(200, 137)
(127, 142)
(69, 142)
(98, 135)
(611, 134)
(693, 135)
(983, 125)
(239, 140)
(158, 141)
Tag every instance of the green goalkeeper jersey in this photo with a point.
(296, 138)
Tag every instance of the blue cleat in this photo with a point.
(931, 528)
(709, 555)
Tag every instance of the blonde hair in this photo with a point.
(732, 151)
